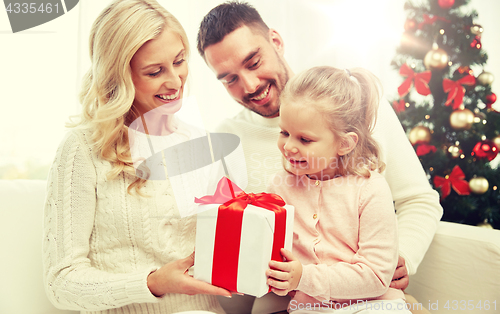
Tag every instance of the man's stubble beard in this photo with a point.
(283, 77)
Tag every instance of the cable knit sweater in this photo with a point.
(417, 204)
(101, 243)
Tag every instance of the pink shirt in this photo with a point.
(345, 236)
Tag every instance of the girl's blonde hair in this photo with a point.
(348, 100)
(108, 92)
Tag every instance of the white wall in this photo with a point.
(40, 68)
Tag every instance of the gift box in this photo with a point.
(237, 237)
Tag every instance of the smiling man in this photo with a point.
(247, 57)
(253, 72)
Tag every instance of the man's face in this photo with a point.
(251, 67)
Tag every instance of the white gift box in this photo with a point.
(256, 244)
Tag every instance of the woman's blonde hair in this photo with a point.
(348, 100)
(108, 92)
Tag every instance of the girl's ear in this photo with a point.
(348, 143)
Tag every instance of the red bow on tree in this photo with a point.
(453, 180)
(431, 20)
(456, 91)
(399, 106)
(421, 81)
(424, 149)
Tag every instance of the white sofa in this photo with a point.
(462, 263)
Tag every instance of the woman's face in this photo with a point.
(159, 71)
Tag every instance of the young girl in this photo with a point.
(345, 233)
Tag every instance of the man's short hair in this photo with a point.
(224, 19)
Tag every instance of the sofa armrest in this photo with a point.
(462, 264)
(21, 236)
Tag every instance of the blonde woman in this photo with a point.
(115, 242)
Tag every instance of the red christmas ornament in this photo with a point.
(476, 43)
(485, 149)
(490, 99)
(454, 180)
(446, 4)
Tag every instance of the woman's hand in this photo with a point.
(174, 278)
(284, 276)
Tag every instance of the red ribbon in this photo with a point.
(455, 180)
(421, 81)
(399, 106)
(228, 233)
(431, 20)
(424, 149)
(456, 91)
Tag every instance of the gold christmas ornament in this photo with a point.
(436, 59)
(479, 185)
(485, 78)
(461, 119)
(420, 135)
(476, 29)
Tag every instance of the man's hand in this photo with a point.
(284, 276)
(400, 280)
(174, 278)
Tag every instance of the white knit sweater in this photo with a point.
(101, 243)
(417, 204)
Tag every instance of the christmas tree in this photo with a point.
(445, 104)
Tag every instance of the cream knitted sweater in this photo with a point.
(101, 243)
(417, 204)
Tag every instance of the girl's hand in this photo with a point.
(400, 280)
(284, 276)
(174, 278)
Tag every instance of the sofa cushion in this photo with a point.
(460, 271)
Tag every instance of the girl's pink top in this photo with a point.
(345, 236)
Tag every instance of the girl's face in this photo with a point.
(159, 71)
(307, 142)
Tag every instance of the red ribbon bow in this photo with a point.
(399, 106)
(424, 149)
(456, 91)
(431, 20)
(455, 180)
(421, 81)
(229, 226)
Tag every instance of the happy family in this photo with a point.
(365, 213)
